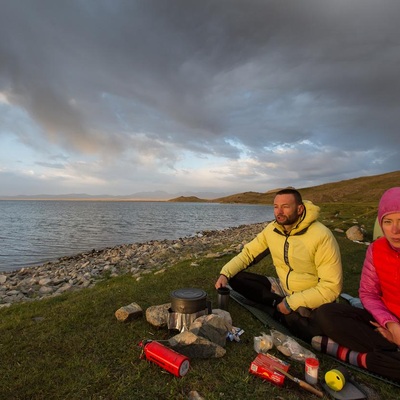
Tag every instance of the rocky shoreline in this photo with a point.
(85, 269)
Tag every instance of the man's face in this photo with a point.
(286, 210)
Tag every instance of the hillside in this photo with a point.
(358, 190)
(367, 189)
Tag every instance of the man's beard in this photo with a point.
(289, 220)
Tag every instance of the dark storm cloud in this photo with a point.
(210, 77)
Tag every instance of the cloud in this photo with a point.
(267, 91)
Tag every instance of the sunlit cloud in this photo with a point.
(228, 96)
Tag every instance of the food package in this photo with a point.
(264, 365)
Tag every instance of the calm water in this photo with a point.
(32, 232)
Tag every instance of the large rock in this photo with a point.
(211, 327)
(193, 346)
(355, 233)
(158, 315)
(129, 312)
(225, 315)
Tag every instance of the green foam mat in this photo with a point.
(260, 314)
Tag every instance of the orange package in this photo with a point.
(263, 366)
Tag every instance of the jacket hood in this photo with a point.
(389, 203)
(311, 213)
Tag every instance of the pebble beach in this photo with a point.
(83, 270)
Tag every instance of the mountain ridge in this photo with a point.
(365, 189)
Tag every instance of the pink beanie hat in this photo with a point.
(389, 203)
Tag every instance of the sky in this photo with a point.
(185, 96)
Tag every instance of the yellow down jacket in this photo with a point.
(307, 260)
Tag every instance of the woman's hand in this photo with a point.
(391, 333)
(394, 329)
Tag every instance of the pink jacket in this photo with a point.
(370, 291)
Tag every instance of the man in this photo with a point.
(307, 261)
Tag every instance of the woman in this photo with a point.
(370, 337)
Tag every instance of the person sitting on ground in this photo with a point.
(369, 337)
(307, 261)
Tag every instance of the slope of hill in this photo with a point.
(365, 189)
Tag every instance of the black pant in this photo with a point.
(258, 289)
(350, 327)
(255, 287)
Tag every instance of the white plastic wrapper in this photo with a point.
(263, 343)
(289, 347)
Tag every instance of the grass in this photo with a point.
(73, 347)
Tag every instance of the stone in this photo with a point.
(45, 281)
(194, 395)
(160, 271)
(3, 279)
(355, 233)
(84, 283)
(213, 255)
(193, 346)
(64, 288)
(128, 313)
(211, 327)
(158, 315)
(46, 290)
(13, 292)
(225, 315)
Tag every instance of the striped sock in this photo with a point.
(328, 346)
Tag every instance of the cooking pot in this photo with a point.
(188, 300)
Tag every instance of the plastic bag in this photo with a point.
(289, 347)
(263, 343)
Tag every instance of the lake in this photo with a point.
(33, 232)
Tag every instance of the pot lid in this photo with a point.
(189, 294)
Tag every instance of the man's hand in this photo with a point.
(222, 281)
(283, 307)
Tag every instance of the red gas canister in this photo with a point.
(168, 359)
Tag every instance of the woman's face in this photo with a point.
(391, 228)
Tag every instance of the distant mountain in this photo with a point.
(188, 199)
(365, 189)
(160, 195)
(140, 196)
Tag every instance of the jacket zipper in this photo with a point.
(286, 258)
